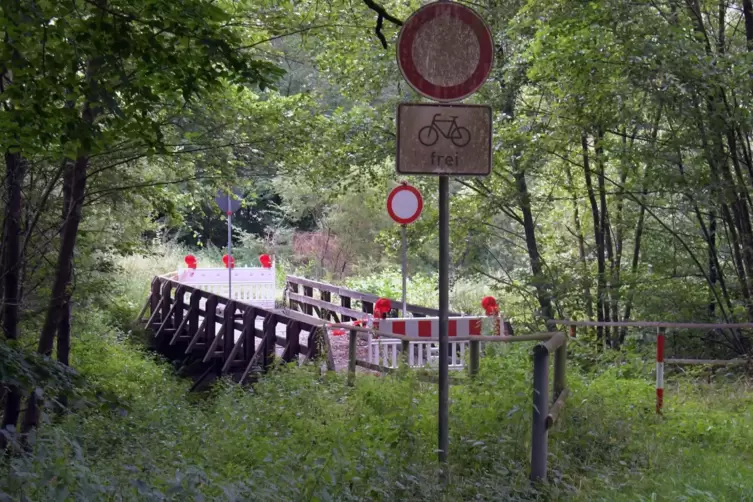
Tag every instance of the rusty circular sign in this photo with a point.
(445, 51)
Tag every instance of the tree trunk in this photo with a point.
(606, 235)
(713, 275)
(64, 327)
(586, 281)
(61, 285)
(539, 281)
(600, 286)
(15, 168)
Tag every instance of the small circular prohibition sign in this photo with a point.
(445, 51)
(405, 204)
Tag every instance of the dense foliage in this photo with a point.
(621, 190)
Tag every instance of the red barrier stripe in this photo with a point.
(660, 348)
(424, 328)
(398, 327)
(475, 327)
(659, 400)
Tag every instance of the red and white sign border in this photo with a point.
(405, 51)
(402, 188)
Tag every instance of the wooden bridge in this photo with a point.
(211, 335)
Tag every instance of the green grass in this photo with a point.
(302, 435)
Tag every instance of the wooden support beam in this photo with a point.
(165, 321)
(213, 346)
(196, 336)
(181, 327)
(374, 367)
(140, 317)
(556, 409)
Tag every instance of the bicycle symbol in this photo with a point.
(428, 135)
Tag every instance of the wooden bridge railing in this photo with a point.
(302, 297)
(545, 415)
(184, 322)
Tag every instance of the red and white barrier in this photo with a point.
(385, 350)
(659, 370)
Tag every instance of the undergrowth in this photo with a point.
(305, 435)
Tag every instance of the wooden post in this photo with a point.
(210, 316)
(270, 341)
(345, 302)
(155, 297)
(193, 316)
(560, 369)
(167, 288)
(539, 434)
(352, 337)
(293, 289)
(572, 332)
(180, 305)
(475, 358)
(326, 297)
(249, 335)
(292, 341)
(308, 291)
(367, 307)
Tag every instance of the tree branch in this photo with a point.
(381, 16)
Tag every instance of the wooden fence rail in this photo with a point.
(301, 296)
(544, 414)
(661, 328)
(184, 321)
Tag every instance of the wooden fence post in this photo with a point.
(345, 302)
(539, 439)
(475, 358)
(308, 291)
(352, 337)
(560, 368)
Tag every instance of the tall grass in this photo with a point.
(302, 435)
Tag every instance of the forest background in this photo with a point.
(621, 188)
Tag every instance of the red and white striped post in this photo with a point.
(659, 370)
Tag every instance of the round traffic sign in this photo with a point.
(445, 51)
(404, 204)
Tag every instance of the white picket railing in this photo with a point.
(253, 285)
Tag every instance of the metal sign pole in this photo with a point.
(444, 309)
(229, 251)
(405, 271)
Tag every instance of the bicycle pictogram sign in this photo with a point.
(448, 128)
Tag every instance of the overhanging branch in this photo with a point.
(381, 16)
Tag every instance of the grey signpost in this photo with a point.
(229, 202)
(445, 52)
